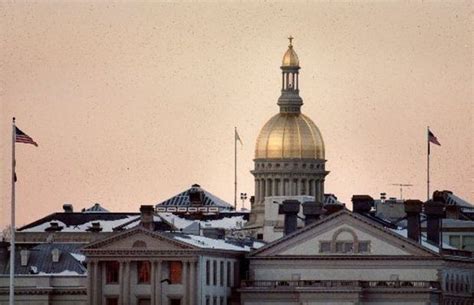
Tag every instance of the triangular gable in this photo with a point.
(343, 225)
(140, 238)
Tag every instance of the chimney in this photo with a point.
(67, 207)
(252, 201)
(55, 254)
(333, 208)
(95, 227)
(312, 211)
(146, 216)
(196, 195)
(54, 227)
(453, 211)
(290, 209)
(413, 210)
(24, 256)
(362, 204)
(434, 211)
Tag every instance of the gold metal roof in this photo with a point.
(290, 59)
(289, 135)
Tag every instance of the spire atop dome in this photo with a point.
(290, 100)
(290, 59)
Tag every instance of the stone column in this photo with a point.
(125, 277)
(274, 187)
(262, 190)
(98, 279)
(153, 283)
(184, 282)
(257, 190)
(90, 282)
(192, 283)
(96, 296)
(159, 287)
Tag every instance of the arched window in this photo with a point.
(139, 244)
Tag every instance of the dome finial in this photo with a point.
(290, 38)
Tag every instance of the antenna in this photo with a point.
(402, 185)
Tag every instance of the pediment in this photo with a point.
(139, 239)
(343, 230)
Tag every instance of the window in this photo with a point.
(344, 247)
(364, 247)
(228, 274)
(214, 273)
(175, 301)
(455, 241)
(143, 272)
(143, 301)
(222, 301)
(325, 247)
(221, 271)
(468, 243)
(208, 273)
(175, 272)
(214, 301)
(111, 301)
(112, 272)
(208, 298)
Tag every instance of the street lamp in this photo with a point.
(243, 197)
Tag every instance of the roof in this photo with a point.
(187, 241)
(359, 217)
(228, 221)
(80, 222)
(40, 260)
(96, 208)
(182, 199)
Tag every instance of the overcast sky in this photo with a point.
(132, 103)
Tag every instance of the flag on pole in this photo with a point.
(21, 137)
(432, 138)
(237, 137)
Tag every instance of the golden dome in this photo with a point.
(290, 59)
(289, 135)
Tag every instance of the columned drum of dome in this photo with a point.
(289, 153)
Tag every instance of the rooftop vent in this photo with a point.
(54, 227)
(95, 227)
(67, 207)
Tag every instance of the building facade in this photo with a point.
(141, 267)
(346, 258)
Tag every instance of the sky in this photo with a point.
(132, 102)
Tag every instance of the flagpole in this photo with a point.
(235, 168)
(428, 163)
(12, 238)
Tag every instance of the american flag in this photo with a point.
(21, 137)
(432, 138)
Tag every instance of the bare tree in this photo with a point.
(6, 233)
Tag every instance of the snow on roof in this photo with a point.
(424, 241)
(453, 199)
(64, 272)
(106, 225)
(228, 222)
(209, 243)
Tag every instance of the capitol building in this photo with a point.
(296, 246)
